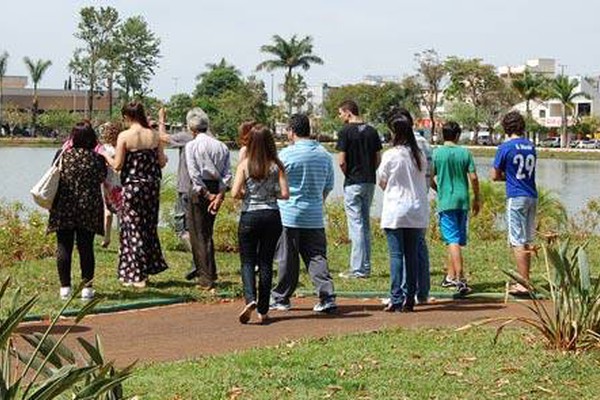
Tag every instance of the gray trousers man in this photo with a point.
(311, 245)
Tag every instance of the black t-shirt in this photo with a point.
(361, 143)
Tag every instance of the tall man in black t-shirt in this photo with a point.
(359, 146)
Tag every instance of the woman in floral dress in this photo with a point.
(139, 156)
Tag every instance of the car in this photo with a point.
(588, 144)
(484, 138)
(550, 142)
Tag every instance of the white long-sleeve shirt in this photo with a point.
(208, 158)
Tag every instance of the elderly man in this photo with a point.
(184, 184)
(209, 167)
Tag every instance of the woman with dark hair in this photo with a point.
(259, 181)
(77, 211)
(405, 210)
(139, 155)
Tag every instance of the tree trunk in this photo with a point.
(288, 79)
(1, 99)
(432, 118)
(34, 110)
(90, 102)
(110, 95)
(528, 113)
(563, 133)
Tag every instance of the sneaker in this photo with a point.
(352, 275)
(87, 293)
(279, 306)
(462, 288)
(244, 316)
(65, 292)
(325, 306)
(447, 282)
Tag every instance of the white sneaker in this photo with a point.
(65, 292)
(87, 293)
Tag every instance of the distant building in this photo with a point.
(544, 66)
(15, 92)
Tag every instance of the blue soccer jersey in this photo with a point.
(517, 159)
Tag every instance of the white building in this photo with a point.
(544, 66)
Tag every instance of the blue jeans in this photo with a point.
(402, 247)
(423, 274)
(357, 202)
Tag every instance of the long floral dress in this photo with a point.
(140, 254)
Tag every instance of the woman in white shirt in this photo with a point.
(405, 211)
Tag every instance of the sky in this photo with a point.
(354, 38)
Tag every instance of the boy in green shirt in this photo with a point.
(453, 169)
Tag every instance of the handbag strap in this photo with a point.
(58, 161)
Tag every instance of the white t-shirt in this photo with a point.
(405, 202)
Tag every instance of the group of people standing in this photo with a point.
(282, 202)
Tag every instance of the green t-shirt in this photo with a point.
(451, 166)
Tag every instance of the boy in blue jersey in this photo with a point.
(515, 163)
(309, 169)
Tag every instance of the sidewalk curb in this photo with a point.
(151, 303)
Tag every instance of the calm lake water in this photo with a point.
(574, 181)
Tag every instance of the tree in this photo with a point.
(60, 120)
(14, 117)
(97, 29)
(464, 114)
(587, 126)
(36, 69)
(139, 51)
(289, 55)
(218, 79)
(3, 63)
(431, 73)
(530, 87)
(563, 89)
(178, 106)
(473, 82)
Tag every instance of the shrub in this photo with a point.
(23, 235)
(571, 321)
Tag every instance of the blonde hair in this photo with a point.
(110, 133)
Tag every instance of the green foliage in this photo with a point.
(23, 235)
(139, 51)
(218, 79)
(374, 101)
(289, 55)
(61, 120)
(572, 320)
(463, 113)
(530, 87)
(49, 366)
(14, 117)
(3, 64)
(431, 73)
(178, 106)
(563, 89)
(587, 126)
(36, 69)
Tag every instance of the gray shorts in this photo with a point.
(520, 216)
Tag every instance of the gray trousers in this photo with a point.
(311, 245)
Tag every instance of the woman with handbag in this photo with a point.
(76, 214)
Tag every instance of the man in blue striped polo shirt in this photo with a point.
(309, 168)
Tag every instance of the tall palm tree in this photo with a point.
(288, 56)
(37, 70)
(3, 63)
(530, 86)
(563, 89)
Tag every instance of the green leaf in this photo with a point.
(14, 319)
(584, 270)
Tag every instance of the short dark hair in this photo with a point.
(84, 136)
(300, 125)
(513, 123)
(350, 105)
(451, 131)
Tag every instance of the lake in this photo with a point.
(574, 181)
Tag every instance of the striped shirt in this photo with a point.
(309, 170)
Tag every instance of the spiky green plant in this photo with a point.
(50, 367)
(566, 308)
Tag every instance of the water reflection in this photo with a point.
(574, 181)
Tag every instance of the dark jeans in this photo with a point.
(65, 239)
(258, 233)
(402, 246)
(201, 224)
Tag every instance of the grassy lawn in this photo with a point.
(484, 261)
(396, 364)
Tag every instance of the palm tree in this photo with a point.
(289, 55)
(3, 63)
(563, 89)
(530, 86)
(36, 71)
